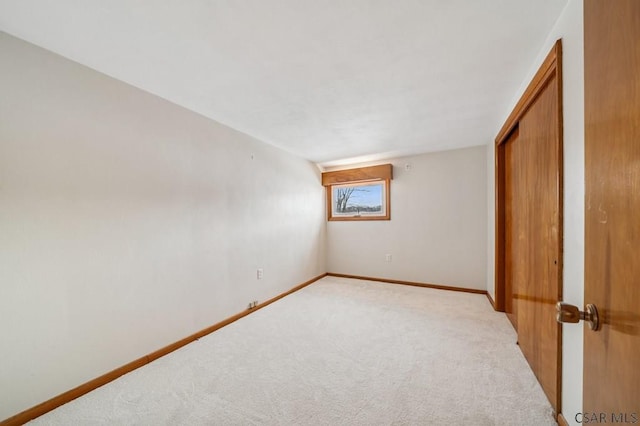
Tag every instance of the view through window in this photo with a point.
(359, 199)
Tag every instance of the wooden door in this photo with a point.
(612, 208)
(536, 239)
(529, 222)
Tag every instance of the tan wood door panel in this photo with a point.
(536, 238)
(612, 207)
(529, 222)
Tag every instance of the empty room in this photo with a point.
(295, 212)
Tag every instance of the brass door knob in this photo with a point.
(566, 313)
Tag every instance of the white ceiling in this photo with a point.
(327, 80)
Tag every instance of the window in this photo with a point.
(358, 194)
(359, 199)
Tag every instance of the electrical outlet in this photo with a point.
(387, 258)
(259, 273)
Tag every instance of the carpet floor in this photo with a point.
(338, 352)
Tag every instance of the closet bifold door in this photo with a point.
(529, 222)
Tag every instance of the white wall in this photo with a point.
(127, 223)
(569, 28)
(437, 231)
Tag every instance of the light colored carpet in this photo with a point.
(338, 352)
